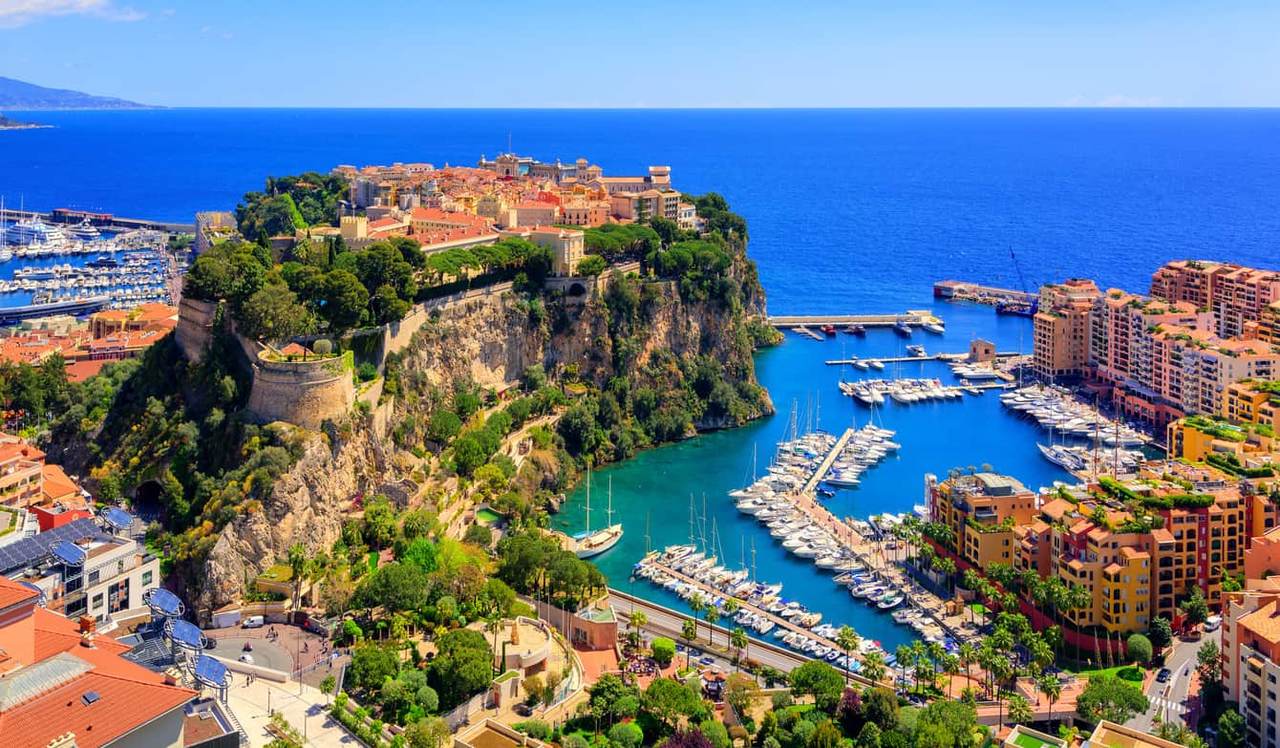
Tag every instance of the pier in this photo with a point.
(913, 317)
(827, 461)
(978, 293)
(64, 216)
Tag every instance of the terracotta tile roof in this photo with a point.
(79, 371)
(12, 593)
(57, 484)
(1263, 623)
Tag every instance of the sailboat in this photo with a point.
(594, 543)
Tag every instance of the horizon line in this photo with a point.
(911, 107)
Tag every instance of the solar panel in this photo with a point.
(69, 553)
(186, 633)
(210, 672)
(32, 551)
(164, 601)
(118, 518)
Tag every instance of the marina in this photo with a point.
(718, 464)
(1055, 409)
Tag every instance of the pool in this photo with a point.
(487, 516)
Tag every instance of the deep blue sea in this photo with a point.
(849, 211)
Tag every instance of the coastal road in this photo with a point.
(1169, 700)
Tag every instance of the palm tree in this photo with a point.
(919, 652)
(934, 653)
(298, 569)
(697, 604)
(713, 615)
(968, 655)
(873, 666)
(847, 640)
(1020, 711)
(739, 641)
(1050, 686)
(731, 607)
(1001, 669)
(688, 632)
(636, 620)
(903, 654)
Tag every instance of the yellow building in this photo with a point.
(1062, 328)
(982, 511)
(1252, 401)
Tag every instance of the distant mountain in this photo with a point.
(15, 94)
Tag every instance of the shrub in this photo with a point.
(322, 347)
(664, 650)
(1139, 648)
(1130, 674)
(534, 728)
(367, 372)
(626, 735)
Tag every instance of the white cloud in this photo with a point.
(15, 13)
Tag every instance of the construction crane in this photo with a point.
(1021, 307)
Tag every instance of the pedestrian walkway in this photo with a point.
(303, 707)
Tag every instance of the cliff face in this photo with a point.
(489, 341)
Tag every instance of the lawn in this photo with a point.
(1112, 671)
(1029, 741)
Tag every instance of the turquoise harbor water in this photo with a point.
(654, 489)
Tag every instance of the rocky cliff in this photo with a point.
(618, 328)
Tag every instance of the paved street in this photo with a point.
(670, 624)
(1169, 700)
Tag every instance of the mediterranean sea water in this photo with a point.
(849, 211)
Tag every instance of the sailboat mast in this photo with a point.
(588, 500)
(609, 510)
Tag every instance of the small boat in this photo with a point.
(828, 330)
(858, 330)
(890, 602)
(826, 492)
(934, 327)
(874, 364)
(916, 350)
(902, 328)
(864, 365)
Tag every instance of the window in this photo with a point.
(93, 576)
(97, 601)
(146, 578)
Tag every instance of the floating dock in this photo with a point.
(827, 461)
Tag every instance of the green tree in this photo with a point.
(1195, 608)
(345, 300)
(1049, 685)
(826, 736)
(1108, 697)
(592, 265)
(880, 705)
(431, 732)
(847, 640)
(1231, 731)
(1139, 649)
(1161, 633)
(462, 666)
(626, 735)
(273, 313)
(395, 586)
(1209, 663)
(688, 632)
(666, 701)
(664, 650)
(327, 685)
(947, 723)
(371, 664)
(820, 680)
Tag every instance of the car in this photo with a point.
(679, 647)
(246, 658)
(523, 709)
(1164, 675)
(707, 661)
(1212, 623)
(695, 652)
(253, 622)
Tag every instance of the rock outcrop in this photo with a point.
(489, 340)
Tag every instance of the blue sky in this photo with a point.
(493, 53)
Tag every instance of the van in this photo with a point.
(1212, 623)
(253, 622)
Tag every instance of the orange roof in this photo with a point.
(78, 371)
(1263, 622)
(57, 484)
(295, 349)
(12, 593)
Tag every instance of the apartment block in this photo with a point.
(1235, 295)
(1062, 328)
(982, 511)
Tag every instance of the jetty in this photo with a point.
(955, 290)
(912, 317)
(827, 461)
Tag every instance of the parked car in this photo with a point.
(246, 659)
(707, 661)
(253, 622)
(1164, 675)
